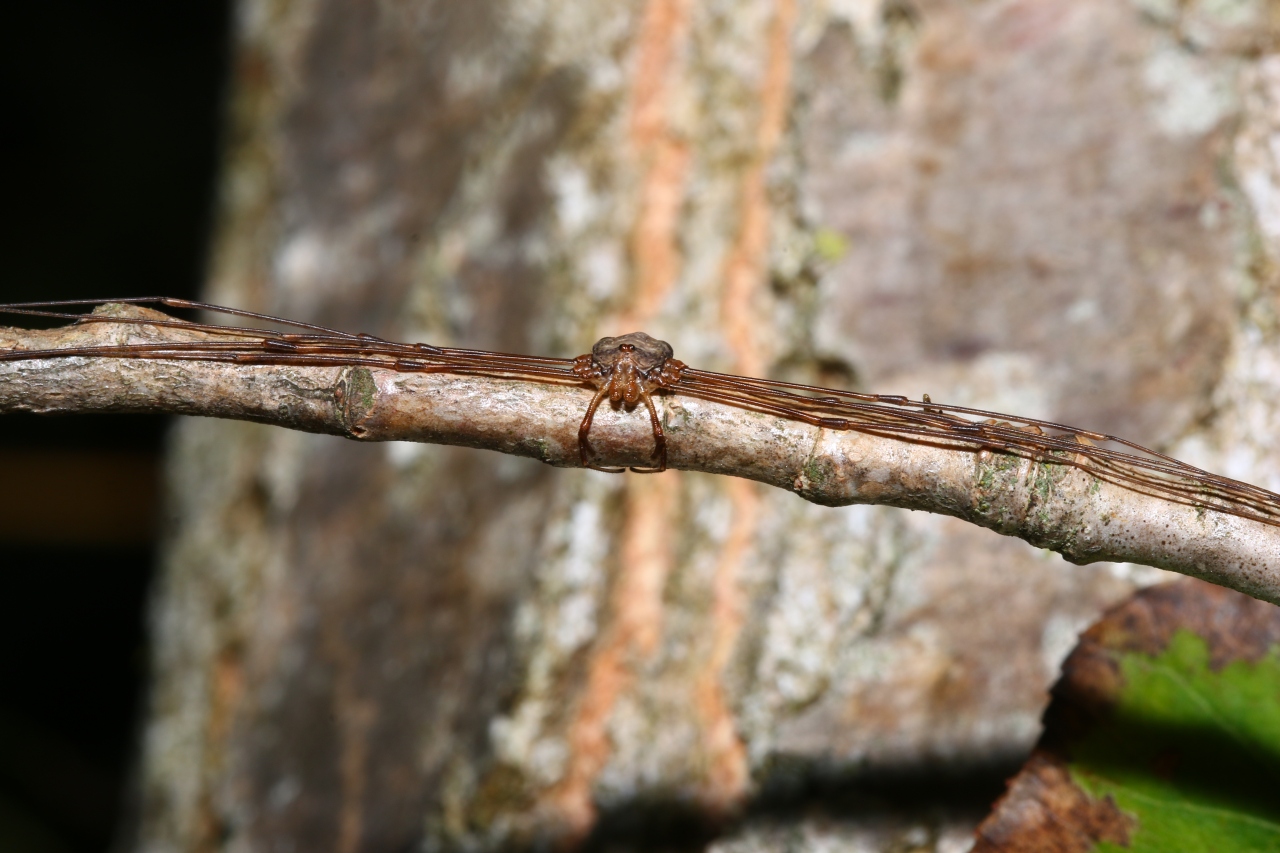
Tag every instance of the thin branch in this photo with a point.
(1051, 504)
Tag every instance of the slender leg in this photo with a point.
(659, 438)
(584, 445)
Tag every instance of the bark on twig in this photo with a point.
(1051, 505)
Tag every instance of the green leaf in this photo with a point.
(1192, 754)
(1163, 734)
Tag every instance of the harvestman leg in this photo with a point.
(659, 437)
(584, 444)
(650, 365)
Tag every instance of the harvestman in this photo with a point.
(633, 368)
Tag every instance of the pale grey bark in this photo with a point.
(1060, 208)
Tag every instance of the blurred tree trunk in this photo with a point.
(1060, 208)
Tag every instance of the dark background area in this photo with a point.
(109, 117)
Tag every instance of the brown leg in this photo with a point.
(584, 446)
(659, 438)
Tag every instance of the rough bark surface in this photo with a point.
(1061, 208)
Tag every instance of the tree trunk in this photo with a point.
(1059, 208)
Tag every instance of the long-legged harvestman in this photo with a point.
(631, 369)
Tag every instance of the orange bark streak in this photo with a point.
(663, 159)
(727, 771)
(636, 608)
(655, 251)
(635, 627)
(745, 270)
(227, 689)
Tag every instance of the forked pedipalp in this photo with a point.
(627, 369)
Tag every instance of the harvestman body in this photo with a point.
(628, 369)
(631, 368)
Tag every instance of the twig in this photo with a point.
(1052, 505)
